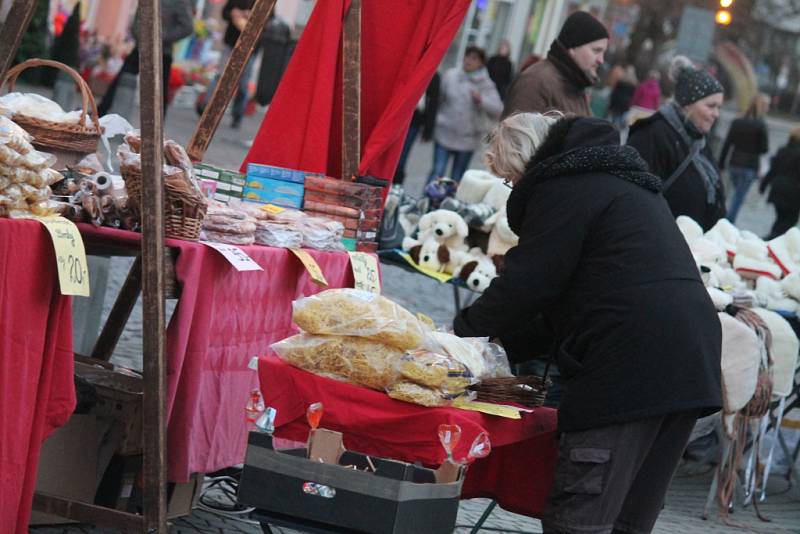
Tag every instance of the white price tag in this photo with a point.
(235, 256)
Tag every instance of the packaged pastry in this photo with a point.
(230, 226)
(416, 394)
(277, 235)
(230, 239)
(352, 312)
(436, 371)
(360, 361)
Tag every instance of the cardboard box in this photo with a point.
(271, 185)
(203, 170)
(269, 197)
(257, 170)
(291, 490)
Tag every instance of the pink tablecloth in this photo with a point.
(223, 319)
(37, 392)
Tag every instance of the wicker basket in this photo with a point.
(183, 214)
(525, 390)
(49, 135)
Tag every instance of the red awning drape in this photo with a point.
(402, 44)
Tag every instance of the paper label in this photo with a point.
(500, 410)
(273, 209)
(73, 272)
(311, 266)
(235, 256)
(365, 272)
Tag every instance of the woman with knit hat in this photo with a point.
(673, 142)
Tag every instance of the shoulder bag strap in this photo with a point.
(694, 150)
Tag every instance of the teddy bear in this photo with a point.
(773, 293)
(785, 251)
(446, 227)
(752, 258)
(434, 256)
(477, 270)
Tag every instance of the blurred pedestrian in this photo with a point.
(784, 177)
(176, 23)
(648, 94)
(673, 141)
(236, 13)
(747, 140)
(560, 81)
(422, 121)
(469, 105)
(620, 100)
(636, 335)
(501, 70)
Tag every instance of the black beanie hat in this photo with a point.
(581, 28)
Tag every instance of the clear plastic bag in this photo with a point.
(352, 312)
(221, 224)
(360, 361)
(436, 371)
(217, 209)
(321, 234)
(230, 239)
(278, 235)
(424, 396)
(483, 359)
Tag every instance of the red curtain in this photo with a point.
(402, 44)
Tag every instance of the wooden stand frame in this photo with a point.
(153, 256)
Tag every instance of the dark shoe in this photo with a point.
(237, 122)
(199, 108)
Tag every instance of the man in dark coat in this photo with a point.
(638, 339)
(559, 82)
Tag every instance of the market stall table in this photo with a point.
(517, 474)
(37, 392)
(222, 320)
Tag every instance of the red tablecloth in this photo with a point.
(37, 392)
(518, 473)
(223, 319)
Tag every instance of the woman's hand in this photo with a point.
(476, 97)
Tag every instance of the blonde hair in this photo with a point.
(758, 106)
(794, 135)
(514, 141)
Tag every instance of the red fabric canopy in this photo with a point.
(402, 44)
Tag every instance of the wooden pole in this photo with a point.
(153, 343)
(17, 22)
(351, 91)
(229, 80)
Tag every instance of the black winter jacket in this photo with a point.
(601, 257)
(784, 176)
(748, 139)
(664, 150)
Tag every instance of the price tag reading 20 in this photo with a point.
(365, 272)
(73, 272)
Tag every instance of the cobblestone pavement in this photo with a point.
(688, 493)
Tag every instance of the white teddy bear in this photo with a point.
(477, 270)
(446, 227)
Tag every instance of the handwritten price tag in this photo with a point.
(272, 209)
(235, 256)
(365, 272)
(73, 273)
(311, 266)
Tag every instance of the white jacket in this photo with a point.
(460, 123)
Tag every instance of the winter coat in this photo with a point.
(425, 118)
(600, 256)
(748, 138)
(647, 95)
(232, 32)
(555, 83)
(784, 176)
(176, 23)
(501, 71)
(663, 148)
(460, 123)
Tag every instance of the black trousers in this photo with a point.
(786, 217)
(614, 478)
(131, 65)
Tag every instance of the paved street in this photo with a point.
(687, 496)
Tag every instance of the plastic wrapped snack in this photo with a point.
(277, 235)
(5, 181)
(416, 394)
(436, 371)
(359, 361)
(483, 359)
(230, 239)
(352, 312)
(217, 209)
(230, 226)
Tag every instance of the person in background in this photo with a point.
(784, 179)
(236, 13)
(176, 23)
(468, 107)
(501, 70)
(673, 142)
(747, 140)
(637, 337)
(560, 81)
(620, 100)
(648, 94)
(422, 121)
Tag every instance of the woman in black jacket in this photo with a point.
(784, 177)
(748, 139)
(673, 142)
(638, 339)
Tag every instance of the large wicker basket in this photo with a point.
(53, 136)
(525, 390)
(183, 214)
